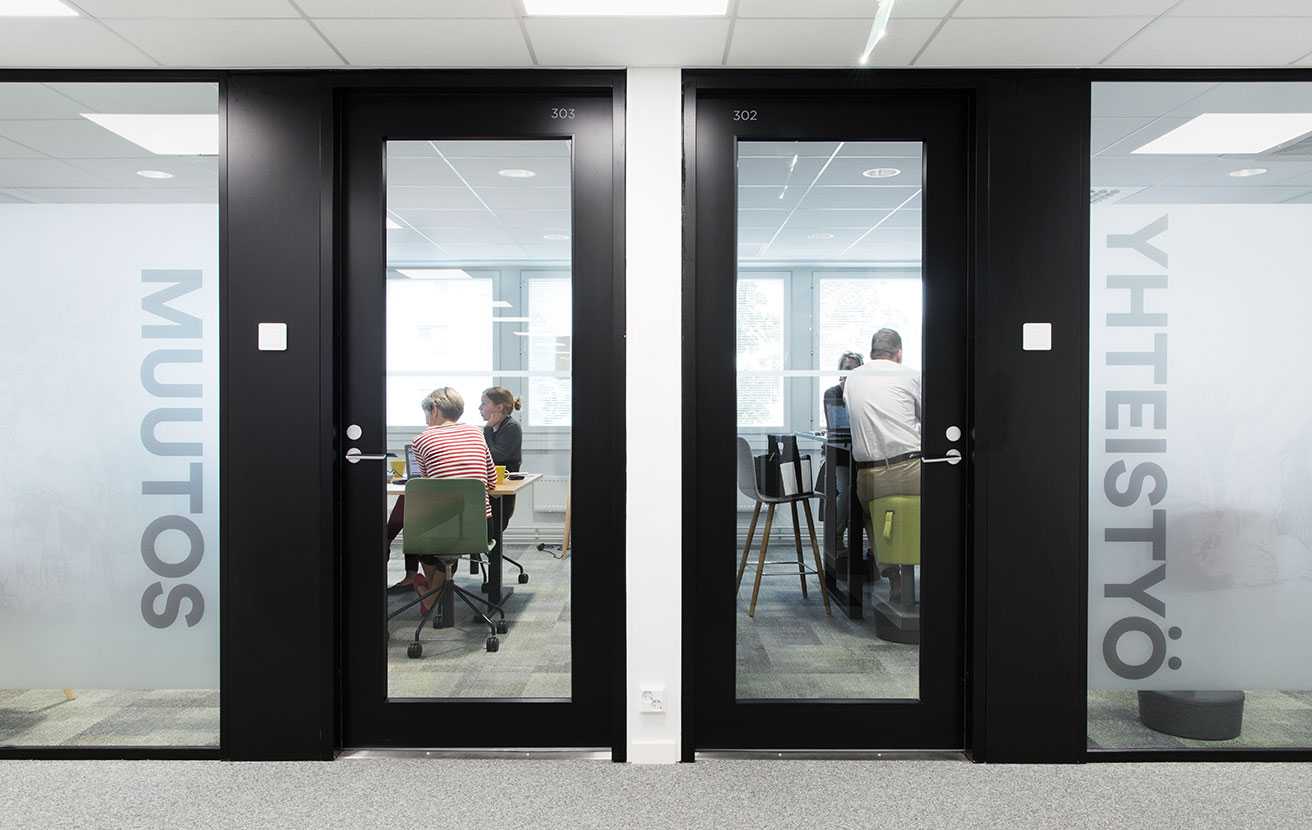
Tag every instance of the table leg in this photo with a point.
(496, 593)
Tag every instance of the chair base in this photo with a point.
(897, 624)
(1204, 716)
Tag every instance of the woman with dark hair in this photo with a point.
(504, 437)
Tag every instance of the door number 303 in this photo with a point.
(562, 112)
(744, 115)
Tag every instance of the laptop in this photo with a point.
(411, 462)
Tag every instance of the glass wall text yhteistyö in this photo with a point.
(1200, 450)
(828, 290)
(109, 242)
(479, 300)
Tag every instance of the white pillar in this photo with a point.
(653, 242)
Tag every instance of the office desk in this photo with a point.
(497, 593)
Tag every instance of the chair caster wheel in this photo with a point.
(502, 627)
(415, 650)
(523, 579)
(493, 644)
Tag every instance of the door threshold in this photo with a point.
(479, 753)
(831, 755)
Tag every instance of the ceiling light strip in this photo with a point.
(875, 226)
(809, 188)
(462, 179)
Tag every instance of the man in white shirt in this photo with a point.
(884, 405)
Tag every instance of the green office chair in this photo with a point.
(895, 533)
(444, 518)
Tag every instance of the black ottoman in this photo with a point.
(1205, 716)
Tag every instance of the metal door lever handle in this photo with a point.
(953, 457)
(353, 455)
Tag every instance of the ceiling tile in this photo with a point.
(511, 148)
(851, 171)
(187, 8)
(1249, 96)
(1200, 41)
(10, 150)
(20, 173)
(483, 172)
(536, 198)
(226, 43)
(403, 199)
(142, 98)
(64, 42)
(1105, 133)
(1028, 42)
(1246, 8)
(28, 100)
(1213, 195)
(408, 8)
(117, 196)
(72, 139)
(857, 198)
(188, 173)
(841, 8)
(428, 42)
(823, 42)
(1142, 99)
(1062, 8)
(681, 41)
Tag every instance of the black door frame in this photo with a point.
(372, 116)
(941, 119)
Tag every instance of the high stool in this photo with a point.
(895, 523)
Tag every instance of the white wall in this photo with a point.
(653, 202)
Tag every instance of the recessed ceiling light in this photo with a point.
(881, 172)
(391, 224)
(625, 8)
(435, 273)
(1219, 133)
(1245, 172)
(820, 235)
(154, 174)
(516, 173)
(164, 135)
(555, 237)
(35, 8)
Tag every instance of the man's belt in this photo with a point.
(897, 459)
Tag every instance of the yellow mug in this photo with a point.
(501, 475)
(398, 467)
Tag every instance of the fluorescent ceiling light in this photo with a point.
(154, 174)
(1248, 171)
(35, 8)
(164, 135)
(878, 29)
(626, 8)
(516, 173)
(1220, 133)
(392, 224)
(435, 273)
(881, 172)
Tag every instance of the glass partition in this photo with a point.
(109, 411)
(829, 284)
(1200, 453)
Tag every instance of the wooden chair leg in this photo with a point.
(815, 550)
(760, 563)
(564, 541)
(797, 541)
(747, 548)
(69, 694)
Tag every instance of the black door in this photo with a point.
(820, 220)
(480, 287)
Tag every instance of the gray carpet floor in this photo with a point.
(791, 650)
(510, 795)
(109, 717)
(534, 656)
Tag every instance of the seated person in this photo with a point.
(446, 449)
(836, 418)
(504, 437)
(884, 406)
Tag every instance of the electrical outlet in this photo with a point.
(653, 699)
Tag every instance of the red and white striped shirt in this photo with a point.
(456, 451)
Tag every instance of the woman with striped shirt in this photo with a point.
(448, 449)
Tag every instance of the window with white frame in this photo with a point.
(760, 351)
(549, 335)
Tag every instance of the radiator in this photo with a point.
(549, 494)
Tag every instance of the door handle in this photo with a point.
(953, 457)
(354, 456)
